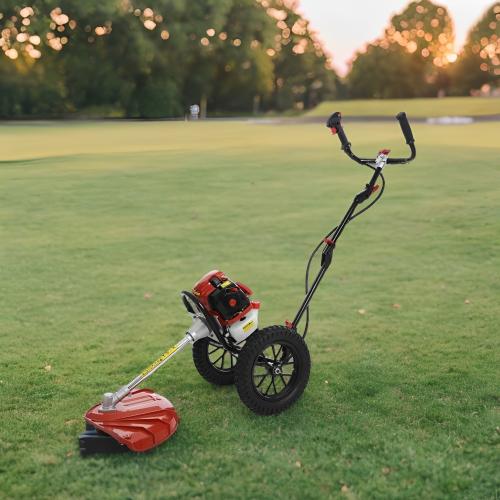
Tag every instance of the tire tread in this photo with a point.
(243, 372)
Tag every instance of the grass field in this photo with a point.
(417, 108)
(102, 224)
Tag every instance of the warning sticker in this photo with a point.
(248, 326)
(153, 365)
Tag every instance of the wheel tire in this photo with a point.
(252, 385)
(203, 357)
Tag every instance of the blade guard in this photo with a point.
(141, 421)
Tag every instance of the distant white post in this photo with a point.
(195, 111)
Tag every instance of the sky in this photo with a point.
(345, 26)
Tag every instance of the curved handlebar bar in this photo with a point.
(334, 123)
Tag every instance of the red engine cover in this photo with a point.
(203, 288)
(141, 421)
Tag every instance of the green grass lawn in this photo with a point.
(417, 108)
(402, 396)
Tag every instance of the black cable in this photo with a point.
(319, 245)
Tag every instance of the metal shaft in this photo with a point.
(110, 399)
(198, 330)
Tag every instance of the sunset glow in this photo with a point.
(344, 31)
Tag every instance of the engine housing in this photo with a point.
(229, 302)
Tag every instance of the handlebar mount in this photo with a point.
(335, 124)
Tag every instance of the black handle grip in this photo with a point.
(334, 123)
(405, 127)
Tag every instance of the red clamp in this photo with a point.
(334, 130)
(329, 241)
(384, 152)
(289, 324)
(375, 188)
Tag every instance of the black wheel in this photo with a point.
(273, 370)
(214, 363)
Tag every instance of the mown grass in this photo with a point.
(417, 108)
(401, 400)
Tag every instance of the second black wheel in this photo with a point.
(214, 363)
(273, 370)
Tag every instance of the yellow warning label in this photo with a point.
(153, 365)
(225, 284)
(248, 326)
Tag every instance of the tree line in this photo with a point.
(154, 58)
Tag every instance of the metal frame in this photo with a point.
(376, 164)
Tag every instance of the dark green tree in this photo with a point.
(303, 76)
(230, 68)
(479, 62)
(383, 73)
(154, 58)
(418, 46)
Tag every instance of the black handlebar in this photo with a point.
(405, 127)
(334, 123)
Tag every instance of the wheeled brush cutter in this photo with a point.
(269, 366)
